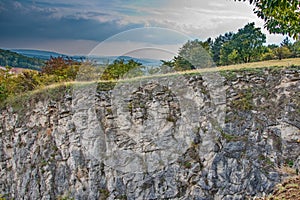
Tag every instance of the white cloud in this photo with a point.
(201, 19)
(17, 4)
(194, 17)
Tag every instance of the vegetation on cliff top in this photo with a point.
(280, 16)
(229, 51)
(30, 84)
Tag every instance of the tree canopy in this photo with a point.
(12, 59)
(244, 46)
(193, 54)
(121, 68)
(280, 16)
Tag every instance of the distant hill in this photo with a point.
(45, 55)
(110, 59)
(39, 54)
(13, 59)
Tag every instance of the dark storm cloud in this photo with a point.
(48, 20)
(60, 24)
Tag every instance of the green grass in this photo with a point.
(20, 102)
(57, 90)
(254, 67)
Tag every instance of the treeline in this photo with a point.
(61, 69)
(12, 59)
(247, 45)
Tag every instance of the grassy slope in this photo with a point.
(54, 90)
(244, 66)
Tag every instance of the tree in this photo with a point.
(194, 54)
(217, 46)
(269, 53)
(121, 69)
(9, 58)
(14, 84)
(61, 68)
(4, 74)
(246, 45)
(227, 49)
(250, 41)
(286, 42)
(280, 16)
(233, 57)
(182, 64)
(282, 52)
(296, 49)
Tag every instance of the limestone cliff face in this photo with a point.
(231, 135)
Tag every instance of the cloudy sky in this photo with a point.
(118, 26)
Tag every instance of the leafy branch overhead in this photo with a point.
(280, 16)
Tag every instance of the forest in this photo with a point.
(12, 59)
(246, 45)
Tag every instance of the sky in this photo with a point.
(119, 27)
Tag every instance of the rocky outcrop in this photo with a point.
(227, 135)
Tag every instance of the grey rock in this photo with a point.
(167, 138)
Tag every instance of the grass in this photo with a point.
(244, 66)
(289, 189)
(245, 102)
(55, 90)
(263, 64)
(19, 102)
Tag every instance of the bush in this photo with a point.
(120, 68)
(62, 68)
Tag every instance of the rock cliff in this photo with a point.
(226, 135)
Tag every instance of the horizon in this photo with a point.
(87, 56)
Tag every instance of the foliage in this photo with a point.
(244, 102)
(3, 86)
(104, 193)
(65, 197)
(289, 188)
(12, 59)
(106, 86)
(286, 42)
(296, 49)
(187, 165)
(233, 57)
(16, 84)
(121, 69)
(182, 64)
(2, 197)
(217, 46)
(280, 16)
(245, 46)
(268, 52)
(55, 70)
(231, 48)
(195, 52)
(63, 68)
(282, 52)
